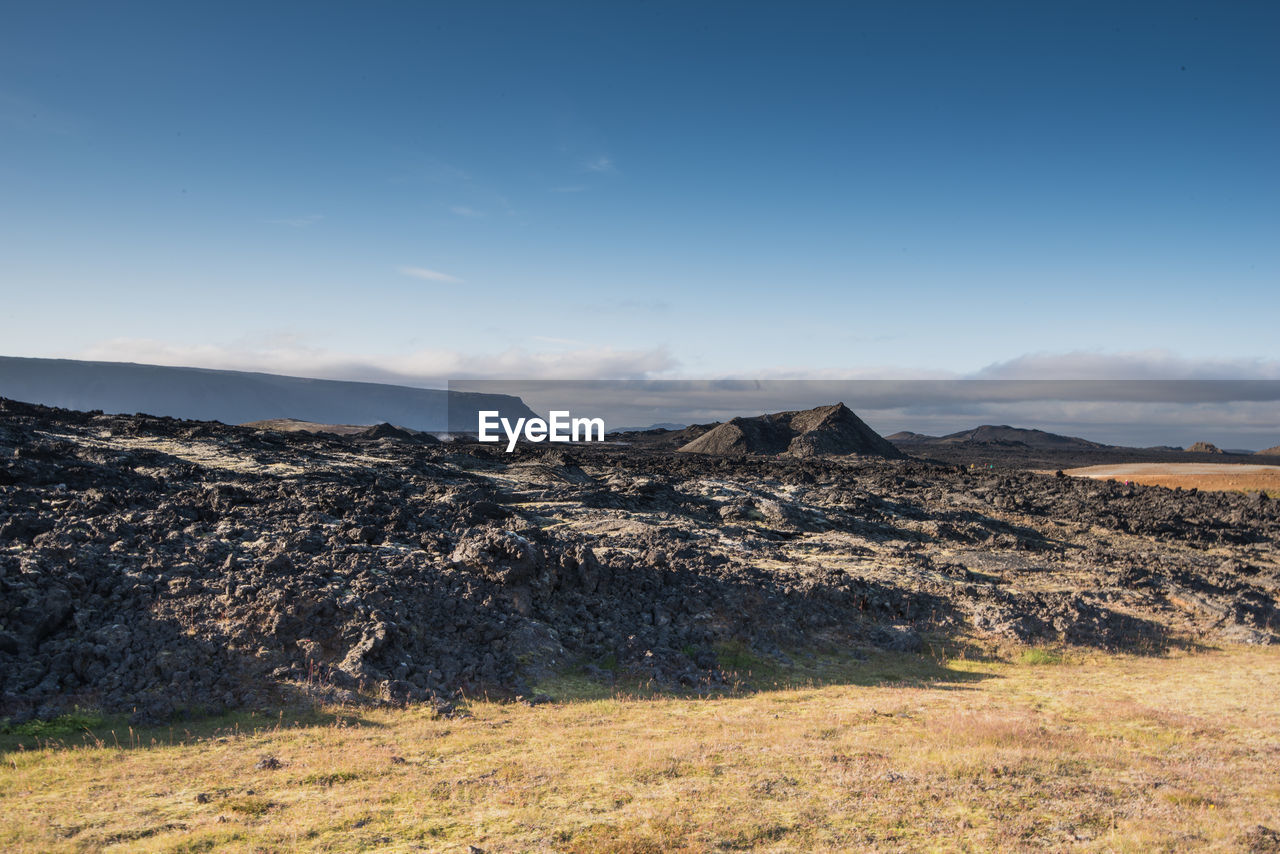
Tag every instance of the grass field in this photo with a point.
(1031, 750)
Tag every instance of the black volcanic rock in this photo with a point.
(390, 431)
(824, 431)
(155, 566)
(761, 435)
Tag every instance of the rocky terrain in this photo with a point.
(159, 566)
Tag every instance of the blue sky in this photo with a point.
(421, 191)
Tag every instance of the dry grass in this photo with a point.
(1084, 752)
(1211, 477)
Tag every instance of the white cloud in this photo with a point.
(1093, 365)
(286, 354)
(573, 188)
(463, 210)
(885, 387)
(429, 275)
(1142, 365)
(600, 164)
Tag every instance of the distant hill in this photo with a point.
(1204, 448)
(360, 431)
(664, 427)
(1006, 435)
(999, 435)
(237, 397)
(1039, 450)
(908, 436)
(1271, 452)
(826, 430)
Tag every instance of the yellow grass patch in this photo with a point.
(1098, 753)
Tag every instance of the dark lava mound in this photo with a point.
(826, 430)
(383, 430)
(390, 431)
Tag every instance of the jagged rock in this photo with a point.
(503, 557)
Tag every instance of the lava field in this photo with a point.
(159, 567)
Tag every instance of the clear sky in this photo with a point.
(425, 190)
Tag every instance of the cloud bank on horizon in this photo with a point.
(435, 367)
(1141, 399)
(1161, 399)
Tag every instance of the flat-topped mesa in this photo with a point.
(823, 431)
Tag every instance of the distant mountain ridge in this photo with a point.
(237, 397)
(1003, 434)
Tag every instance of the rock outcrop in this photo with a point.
(824, 431)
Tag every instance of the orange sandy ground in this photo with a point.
(1208, 476)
